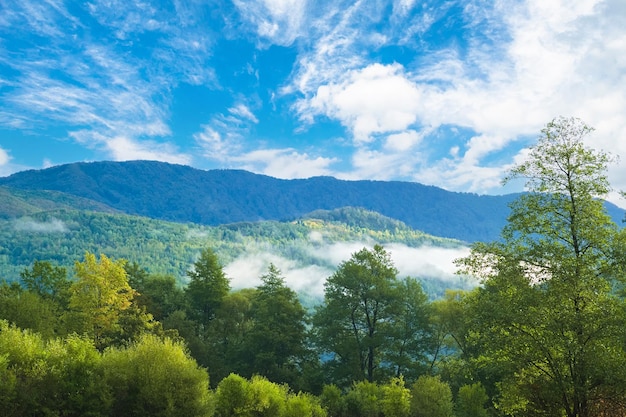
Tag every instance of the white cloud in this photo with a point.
(125, 149)
(420, 262)
(376, 99)
(4, 157)
(279, 21)
(403, 141)
(245, 272)
(242, 111)
(284, 163)
(525, 63)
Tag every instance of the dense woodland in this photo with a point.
(543, 335)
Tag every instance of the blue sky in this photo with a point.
(447, 93)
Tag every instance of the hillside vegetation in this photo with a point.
(184, 194)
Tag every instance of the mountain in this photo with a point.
(183, 194)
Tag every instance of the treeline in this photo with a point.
(116, 340)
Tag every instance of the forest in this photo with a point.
(544, 334)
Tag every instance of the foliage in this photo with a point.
(431, 397)
(207, 287)
(471, 401)
(276, 342)
(165, 248)
(99, 297)
(366, 322)
(548, 314)
(155, 377)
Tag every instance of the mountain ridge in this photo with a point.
(184, 194)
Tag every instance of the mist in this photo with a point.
(420, 262)
(27, 224)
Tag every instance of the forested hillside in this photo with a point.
(62, 236)
(183, 194)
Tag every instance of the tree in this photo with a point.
(411, 334)
(371, 324)
(431, 397)
(207, 287)
(548, 312)
(47, 281)
(156, 377)
(471, 401)
(275, 344)
(99, 297)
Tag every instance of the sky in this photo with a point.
(446, 93)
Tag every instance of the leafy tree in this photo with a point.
(471, 401)
(331, 400)
(431, 397)
(371, 324)
(232, 397)
(364, 399)
(276, 342)
(396, 401)
(28, 310)
(548, 312)
(47, 281)
(156, 377)
(358, 299)
(207, 287)
(58, 377)
(412, 338)
(99, 297)
(228, 335)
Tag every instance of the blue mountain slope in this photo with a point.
(184, 194)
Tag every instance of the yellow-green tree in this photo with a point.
(99, 297)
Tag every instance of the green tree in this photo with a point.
(548, 312)
(28, 310)
(412, 338)
(364, 399)
(431, 397)
(47, 281)
(156, 377)
(207, 287)
(471, 401)
(275, 345)
(371, 324)
(55, 377)
(396, 401)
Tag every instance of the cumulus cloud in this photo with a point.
(524, 63)
(30, 225)
(376, 99)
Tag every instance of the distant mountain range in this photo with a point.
(183, 194)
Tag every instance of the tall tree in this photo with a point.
(366, 322)
(276, 342)
(549, 314)
(207, 287)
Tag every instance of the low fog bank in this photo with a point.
(425, 262)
